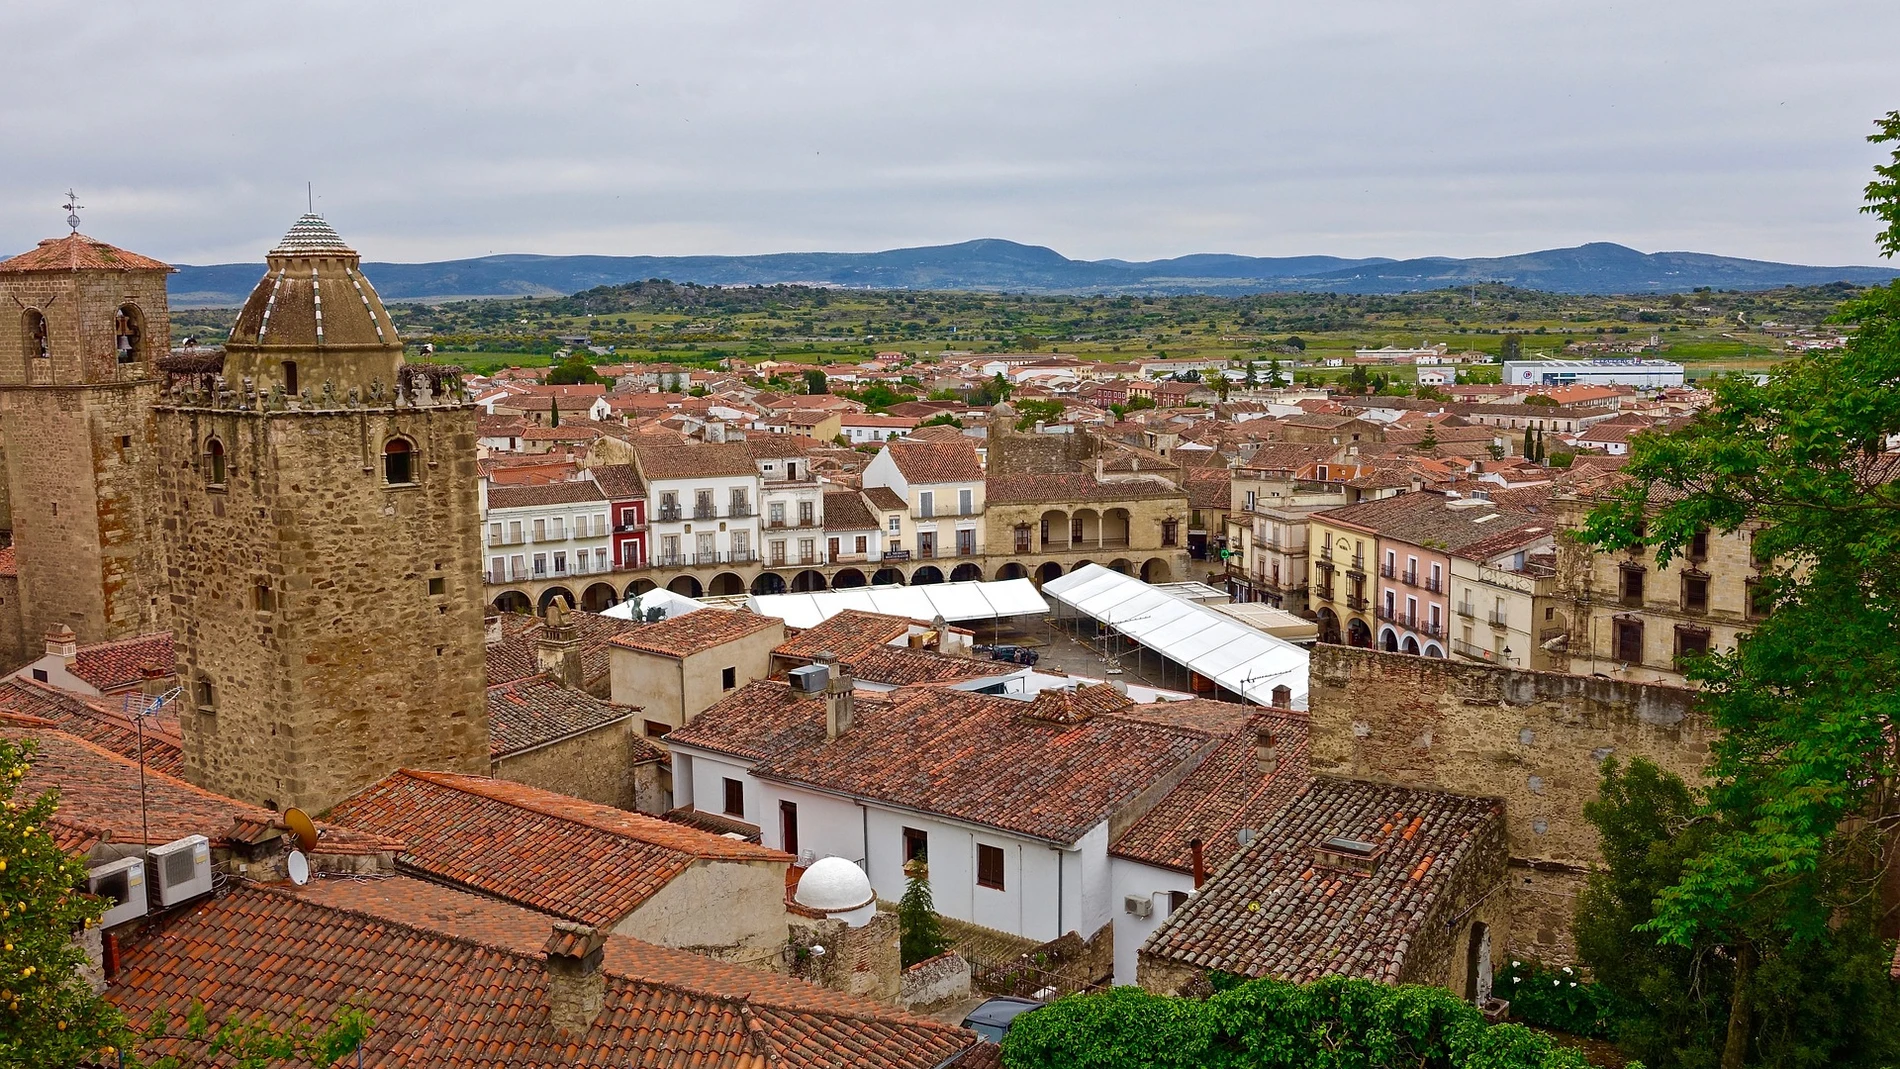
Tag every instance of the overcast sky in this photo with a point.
(1100, 129)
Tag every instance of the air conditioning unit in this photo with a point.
(1139, 905)
(809, 679)
(122, 882)
(182, 869)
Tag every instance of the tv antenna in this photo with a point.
(72, 207)
(139, 706)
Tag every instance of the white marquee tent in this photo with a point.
(955, 602)
(1239, 658)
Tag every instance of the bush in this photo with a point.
(1558, 998)
(1268, 1024)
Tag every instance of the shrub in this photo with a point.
(1558, 998)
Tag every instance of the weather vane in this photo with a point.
(72, 207)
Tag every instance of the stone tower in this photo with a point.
(320, 510)
(82, 325)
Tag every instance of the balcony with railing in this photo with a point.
(669, 515)
(1356, 602)
(1388, 570)
(1468, 610)
(1435, 584)
(1499, 619)
(1358, 566)
(1477, 653)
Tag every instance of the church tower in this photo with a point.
(82, 325)
(320, 510)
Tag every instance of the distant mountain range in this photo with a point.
(992, 264)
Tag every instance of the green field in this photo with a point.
(695, 325)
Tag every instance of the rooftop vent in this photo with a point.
(1349, 855)
(810, 679)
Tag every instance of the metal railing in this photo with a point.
(1387, 571)
(1409, 578)
(669, 515)
(1467, 609)
(1499, 619)
(1436, 586)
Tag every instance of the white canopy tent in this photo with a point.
(955, 602)
(635, 608)
(1238, 658)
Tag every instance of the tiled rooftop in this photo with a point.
(1426, 519)
(109, 666)
(694, 632)
(846, 511)
(710, 461)
(513, 657)
(978, 758)
(100, 721)
(929, 463)
(573, 491)
(536, 710)
(1060, 488)
(1275, 910)
(575, 859)
(458, 982)
(849, 634)
(77, 252)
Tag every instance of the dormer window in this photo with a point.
(1348, 854)
(214, 463)
(33, 330)
(399, 462)
(129, 333)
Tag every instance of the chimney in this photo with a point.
(1200, 862)
(62, 643)
(840, 696)
(1266, 752)
(491, 629)
(576, 986)
(943, 633)
(153, 678)
(557, 652)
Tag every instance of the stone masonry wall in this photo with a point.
(598, 766)
(1535, 739)
(364, 653)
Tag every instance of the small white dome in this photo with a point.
(834, 885)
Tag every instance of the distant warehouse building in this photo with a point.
(1643, 374)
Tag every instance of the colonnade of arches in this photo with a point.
(1357, 633)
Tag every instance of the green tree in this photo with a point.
(1274, 377)
(1803, 767)
(1530, 445)
(1512, 347)
(1540, 445)
(1883, 193)
(554, 411)
(1430, 441)
(942, 419)
(815, 382)
(574, 369)
(919, 932)
(1037, 410)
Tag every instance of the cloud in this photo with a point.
(1368, 127)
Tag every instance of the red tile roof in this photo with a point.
(849, 634)
(978, 758)
(1226, 793)
(77, 252)
(711, 461)
(102, 722)
(1058, 488)
(101, 789)
(535, 711)
(573, 491)
(574, 859)
(513, 657)
(695, 632)
(1276, 910)
(9, 563)
(109, 666)
(883, 497)
(454, 981)
(929, 463)
(900, 665)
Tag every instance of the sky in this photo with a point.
(1098, 128)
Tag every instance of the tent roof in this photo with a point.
(952, 601)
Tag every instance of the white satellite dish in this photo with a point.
(299, 868)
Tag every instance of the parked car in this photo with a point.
(992, 1019)
(1014, 654)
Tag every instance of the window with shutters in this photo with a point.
(1629, 641)
(735, 797)
(989, 867)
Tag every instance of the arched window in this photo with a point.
(33, 333)
(129, 331)
(290, 377)
(399, 462)
(214, 462)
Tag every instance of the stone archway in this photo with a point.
(1049, 571)
(769, 583)
(966, 573)
(1054, 530)
(1388, 640)
(1079, 565)
(927, 575)
(1156, 570)
(599, 597)
(641, 586)
(807, 581)
(513, 601)
(888, 577)
(548, 596)
(847, 578)
(725, 584)
(1328, 626)
(1410, 645)
(1432, 650)
(687, 585)
(1115, 527)
(1122, 565)
(1012, 570)
(1358, 634)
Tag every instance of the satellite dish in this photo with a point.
(302, 827)
(299, 868)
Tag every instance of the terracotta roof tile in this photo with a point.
(713, 460)
(109, 666)
(459, 982)
(620, 482)
(102, 722)
(573, 491)
(1032, 489)
(846, 511)
(77, 252)
(883, 497)
(901, 666)
(694, 632)
(513, 657)
(930, 463)
(979, 758)
(534, 711)
(1276, 910)
(849, 634)
(574, 859)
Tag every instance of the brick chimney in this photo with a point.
(576, 986)
(557, 652)
(61, 642)
(1266, 752)
(491, 629)
(840, 697)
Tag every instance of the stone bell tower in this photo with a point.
(82, 325)
(319, 500)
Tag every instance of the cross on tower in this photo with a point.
(72, 207)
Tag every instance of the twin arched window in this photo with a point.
(399, 462)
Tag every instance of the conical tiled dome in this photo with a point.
(314, 319)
